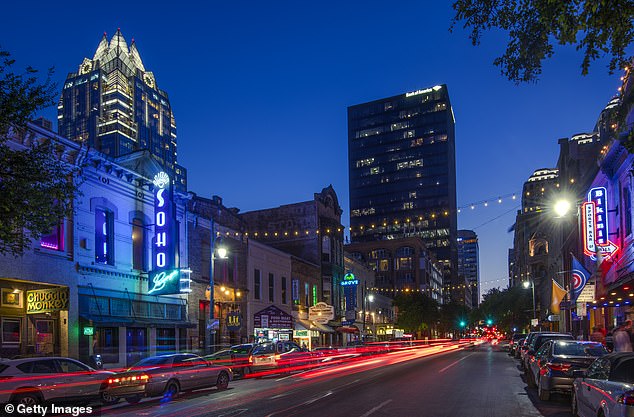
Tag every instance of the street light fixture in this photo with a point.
(562, 207)
(222, 253)
(531, 283)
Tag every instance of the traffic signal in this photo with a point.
(489, 322)
(462, 323)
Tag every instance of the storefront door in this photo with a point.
(45, 336)
(136, 344)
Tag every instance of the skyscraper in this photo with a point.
(113, 104)
(402, 172)
(469, 264)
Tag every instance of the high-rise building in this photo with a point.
(113, 104)
(469, 264)
(402, 171)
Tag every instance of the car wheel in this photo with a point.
(107, 399)
(133, 400)
(543, 394)
(223, 381)
(573, 401)
(171, 389)
(28, 399)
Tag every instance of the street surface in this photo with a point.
(480, 381)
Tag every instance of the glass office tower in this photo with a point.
(113, 104)
(402, 172)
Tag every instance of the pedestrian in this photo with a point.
(622, 341)
(597, 334)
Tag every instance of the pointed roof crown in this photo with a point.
(118, 48)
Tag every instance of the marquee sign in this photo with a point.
(164, 277)
(47, 301)
(349, 284)
(595, 227)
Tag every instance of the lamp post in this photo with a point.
(222, 253)
(531, 283)
(562, 208)
(366, 298)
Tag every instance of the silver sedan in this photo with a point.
(172, 374)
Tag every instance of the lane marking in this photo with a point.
(454, 363)
(376, 408)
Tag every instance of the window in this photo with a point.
(295, 290)
(11, 334)
(325, 249)
(283, 290)
(39, 367)
(165, 340)
(68, 366)
(627, 210)
(257, 282)
(55, 239)
(139, 250)
(104, 237)
(271, 287)
(106, 341)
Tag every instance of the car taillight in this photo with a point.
(626, 398)
(250, 359)
(277, 357)
(562, 367)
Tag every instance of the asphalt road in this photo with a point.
(481, 381)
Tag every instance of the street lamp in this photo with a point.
(222, 253)
(366, 298)
(531, 283)
(562, 207)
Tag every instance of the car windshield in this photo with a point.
(264, 348)
(579, 349)
(154, 361)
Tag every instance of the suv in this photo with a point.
(236, 357)
(280, 355)
(32, 381)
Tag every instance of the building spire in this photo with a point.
(102, 48)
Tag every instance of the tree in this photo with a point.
(36, 186)
(597, 27)
(507, 308)
(450, 316)
(417, 312)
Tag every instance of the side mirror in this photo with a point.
(578, 373)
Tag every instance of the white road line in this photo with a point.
(454, 363)
(376, 408)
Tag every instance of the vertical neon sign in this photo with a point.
(594, 222)
(164, 278)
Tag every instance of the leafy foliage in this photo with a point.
(36, 185)
(596, 27)
(508, 308)
(21, 95)
(417, 312)
(450, 316)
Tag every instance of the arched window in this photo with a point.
(139, 245)
(104, 236)
(325, 249)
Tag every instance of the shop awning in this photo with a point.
(112, 321)
(324, 328)
(348, 329)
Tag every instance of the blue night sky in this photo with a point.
(260, 91)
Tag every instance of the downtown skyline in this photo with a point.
(260, 96)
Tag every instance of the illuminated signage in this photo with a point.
(349, 284)
(164, 277)
(47, 301)
(426, 90)
(595, 226)
(234, 321)
(349, 279)
(89, 331)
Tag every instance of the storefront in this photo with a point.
(126, 327)
(272, 324)
(33, 318)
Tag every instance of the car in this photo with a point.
(513, 342)
(33, 381)
(555, 362)
(174, 373)
(281, 355)
(517, 348)
(536, 342)
(236, 357)
(606, 388)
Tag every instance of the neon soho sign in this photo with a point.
(164, 278)
(595, 225)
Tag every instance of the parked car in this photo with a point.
(606, 388)
(172, 374)
(33, 381)
(236, 357)
(513, 342)
(555, 362)
(517, 348)
(534, 346)
(282, 355)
